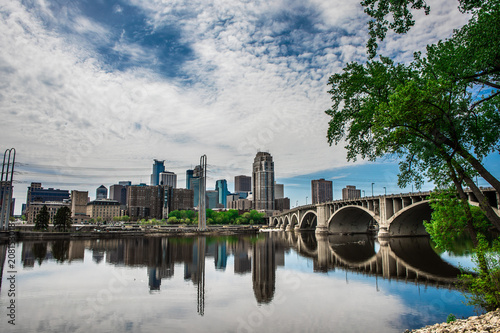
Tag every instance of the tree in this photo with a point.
(42, 219)
(62, 219)
(402, 17)
(439, 115)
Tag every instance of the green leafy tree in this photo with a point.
(62, 219)
(438, 115)
(398, 16)
(42, 219)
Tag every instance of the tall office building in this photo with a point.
(158, 167)
(189, 176)
(101, 192)
(321, 190)
(350, 192)
(79, 200)
(118, 192)
(168, 178)
(279, 191)
(242, 184)
(263, 182)
(222, 191)
(36, 193)
(145, 202)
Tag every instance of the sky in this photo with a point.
(92, 91)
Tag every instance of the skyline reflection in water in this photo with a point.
(278, 281)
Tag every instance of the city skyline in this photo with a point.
(93, 91)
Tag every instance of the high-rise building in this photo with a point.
(195, 187)
(282, 204)
(79, 200)
(350, 192)
(263, 182)
(178, 199)
(168, 178)
(158, 167)
(211, 198)
(101, 193)
(279, 191)
(145, 202)
(221, 188)
(242, 184)
(189, 176)
(118, 192)
(36, 193)
(321, 190)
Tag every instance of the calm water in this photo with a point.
(276, 282)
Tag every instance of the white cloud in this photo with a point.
(255, 81)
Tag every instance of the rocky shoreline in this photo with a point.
(486, 323)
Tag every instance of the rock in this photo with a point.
(486, 323)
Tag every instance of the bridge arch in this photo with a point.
(351, 219)
(275, 221)
(409, 221)
(294, 220)
(309, 220)
(286, 221)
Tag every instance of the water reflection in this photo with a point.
(197, 282)
(406, 259)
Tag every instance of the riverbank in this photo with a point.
(87, 231)
(486, 323)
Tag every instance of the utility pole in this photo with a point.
(202, 212)
(6, 187)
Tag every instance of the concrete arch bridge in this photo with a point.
(388, 215)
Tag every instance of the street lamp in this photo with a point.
(306, 200)
(363, 193)
(372, 188)
(385, 190)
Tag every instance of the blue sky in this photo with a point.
(93, 91)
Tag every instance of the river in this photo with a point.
(272, 282)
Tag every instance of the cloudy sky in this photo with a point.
(92, 91)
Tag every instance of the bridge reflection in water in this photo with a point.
(404, 259)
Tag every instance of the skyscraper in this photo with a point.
(189, 176)
(242, 184)
(263, 181)
(222, 192)
(321, 190)
(350, 192)
(279, 191)
(101, 192)
(158, 167)
(168, 178)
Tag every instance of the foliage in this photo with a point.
(438, 114)
(483, 288)
(230, 216)
(62, 219)
(42, 219)
(402, 17)
(449, 218)
(451, 318)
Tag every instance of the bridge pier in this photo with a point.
(322, 219)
